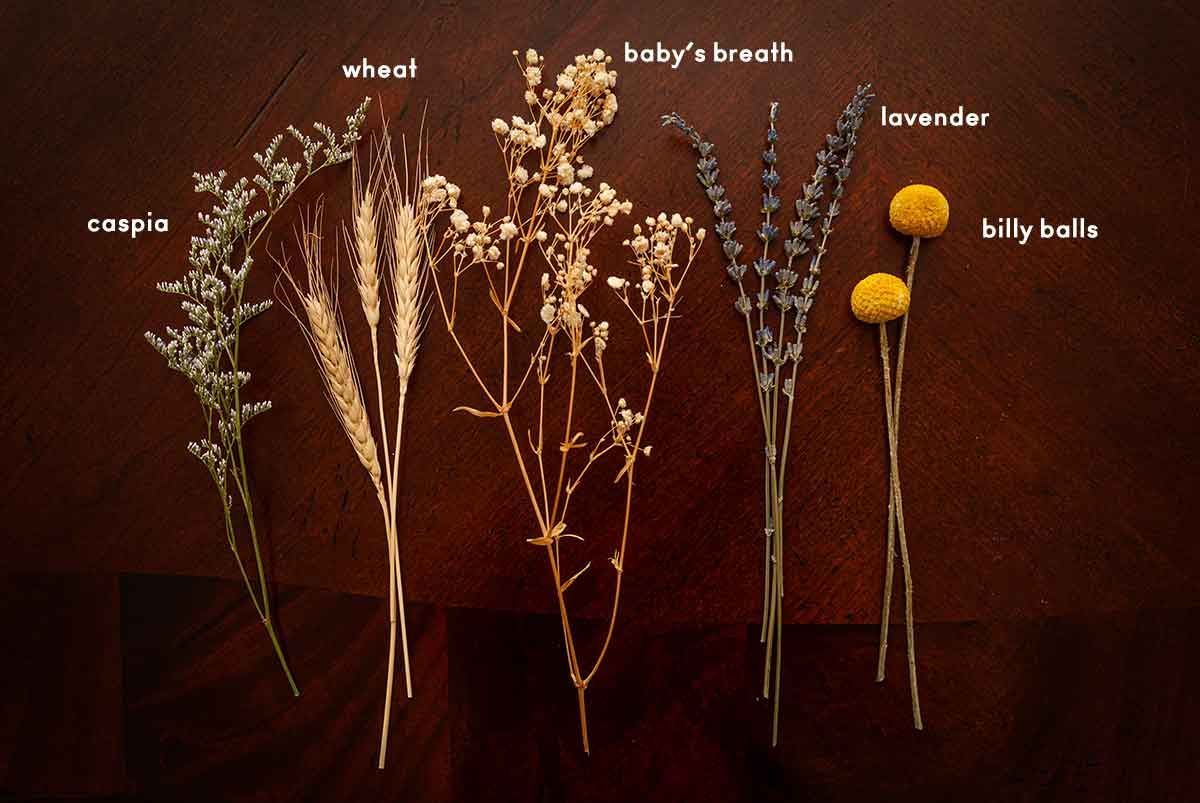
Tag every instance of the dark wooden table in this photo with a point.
(1049, 445)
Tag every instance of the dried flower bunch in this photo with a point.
(785, 296)
(921, 212)
(386, 243)
(551, 216)
(212, 295)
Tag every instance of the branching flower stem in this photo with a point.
(208, 351)
(551, 214)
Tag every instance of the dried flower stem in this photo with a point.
(551, 215)
(894, 472)
(770, 355)
(208, 352)
(896, 503)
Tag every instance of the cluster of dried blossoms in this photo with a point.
(387, 243)
(781, 292)
(212, 295)
(551, 216)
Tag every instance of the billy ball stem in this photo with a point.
(898, 506)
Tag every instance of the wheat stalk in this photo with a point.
(387, 239)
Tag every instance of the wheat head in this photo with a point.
(365, 256)
(338, 373)
(408, 280)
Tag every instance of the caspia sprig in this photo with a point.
(212, 297)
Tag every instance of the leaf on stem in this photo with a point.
(479, 413)
(575, 577)
(549, 538)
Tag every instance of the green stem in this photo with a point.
(282, 661)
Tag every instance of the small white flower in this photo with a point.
(545, 282)
(531, 56)
(545, 190)
(584, 172)
(576, 188)
(677, 220)
(565, 173)
(616, 282)
(500, 127)
(583, 313)
(460, 221)
(508, 230)
(520, 175)
(548, 312)
(647, 287)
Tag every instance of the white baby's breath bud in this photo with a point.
(647, 286)
(545, 282)
(561, 206)
(460, 221)
(576, 188)
(500, 127)
(545, 190)
(700, 234)
(548, 312)
(616, 282)
(565, 173)
(520, 174)
(508, 230)
(541, 236)
(677, 220)
(531, 56)
(493, 253)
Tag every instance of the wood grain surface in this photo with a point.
(1049, 446)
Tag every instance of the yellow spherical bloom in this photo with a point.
(919, 210)
(879, 298)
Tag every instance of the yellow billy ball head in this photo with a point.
(879, 298)
(919, 210)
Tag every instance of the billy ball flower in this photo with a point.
(879, 298)
(919, 210)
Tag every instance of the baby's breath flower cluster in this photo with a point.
(784, 288)
(212, 296)
(555, 208)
